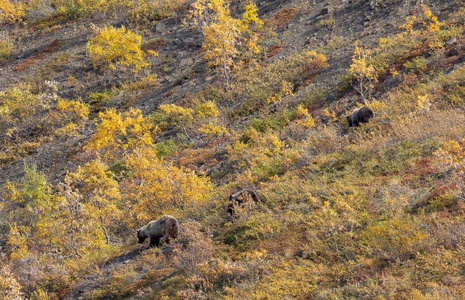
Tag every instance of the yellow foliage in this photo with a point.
(377, 105)
(203, 118)
(102, 192)
(207, 109)
(95, 6)
(225, 36)
(5, 50)
(332, 114)
(69, 225)
(363, 71)
(156, 187)
(175, 110)
(321, 59)
(430, 22)
(72, 115)
(286, 90)
(11, 12)
(395, 237)
(450, 159)
(423, 103)
(19, 103)
(304, 117)
(262, 156)
(119, 134)
(287, 279)
(112, 47)
(18, 243)
(9, 288)
(213, 129)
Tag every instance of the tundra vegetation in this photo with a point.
(87, 158)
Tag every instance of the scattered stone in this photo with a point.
(451, 41)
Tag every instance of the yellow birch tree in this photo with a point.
(225, 36)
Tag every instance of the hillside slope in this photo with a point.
(91, 153)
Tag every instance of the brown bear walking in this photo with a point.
(160, 230)
(360, 115)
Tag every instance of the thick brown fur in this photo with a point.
(240, 199)
(360, 115)
(159, 231)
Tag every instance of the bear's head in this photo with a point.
(141, 236)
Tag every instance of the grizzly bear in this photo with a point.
(160, 230)
(240, 200)
(360, 115)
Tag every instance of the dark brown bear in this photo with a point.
(160, 230)
(240, 200)
(360, 115)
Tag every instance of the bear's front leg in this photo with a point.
(154, 241)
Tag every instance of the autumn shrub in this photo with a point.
(28, 118)
(194, 251)
(170, 190)
(225, 36)
(73, 115)
(127, 139)
(399, 237)
(5, 50)
(153, 10)
(120, 133)
(113, 48)
(261, 156)
(364, 73)
(206, 274)
(199, 124)
(71, 226)
(450, 160)
(9, 287)
(405, 47)
(96, 181)
(272, 121)
(11, 12)
(286, 279)
(24, 198)
(20, 105)
(272, 83)
(35, 265)
(98, 98)
(78, 9)
(168, 148)
(281, 18)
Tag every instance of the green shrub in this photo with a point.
(5, 50)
